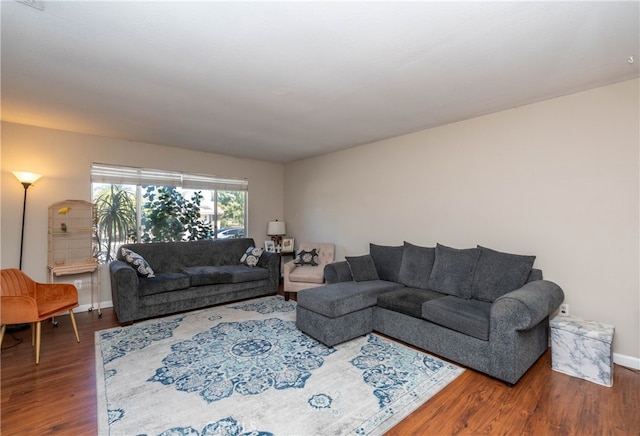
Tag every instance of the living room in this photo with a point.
(558, 178)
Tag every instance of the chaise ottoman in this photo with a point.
(341, 311)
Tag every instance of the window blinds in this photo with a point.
(119, 175)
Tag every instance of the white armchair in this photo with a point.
(299, 277)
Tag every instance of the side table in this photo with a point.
(582, 348)
(292, 254)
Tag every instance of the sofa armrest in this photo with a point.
(124, 290)
(287, 268)
(337, 272)
(526, 307)
(271, 261)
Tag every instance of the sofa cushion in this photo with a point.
(207, 275)
(307, 274)
(338, 299)
(244, 273)
(387, 261)
(251, 257)
(535, 274)
(498, 273)
(407, 300)
(416, 267)
(138, 262)
(362, 268)
(163, 282)
(470, 317)
(307, 257)
(453, 270)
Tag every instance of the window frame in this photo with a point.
(138, 177)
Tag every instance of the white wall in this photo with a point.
(558, 179)
(64, 160)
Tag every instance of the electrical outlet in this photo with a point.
(564, 309)
(78, 284)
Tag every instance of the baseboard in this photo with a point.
(88, 307)
(628, 361)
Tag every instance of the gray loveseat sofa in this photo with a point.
(189, 275)
(481, 308)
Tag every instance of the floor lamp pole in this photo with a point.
(19, 327)
(26, 179)
(24, 208)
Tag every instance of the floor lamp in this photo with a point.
(27, 179)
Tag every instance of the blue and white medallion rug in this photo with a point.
(244, 369)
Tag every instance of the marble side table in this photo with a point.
(582, 348)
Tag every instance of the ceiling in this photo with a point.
(282, 81)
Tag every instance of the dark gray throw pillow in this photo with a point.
(417, 263)
(453, 270)
(362, 268)
(387, 261)
(498, 273)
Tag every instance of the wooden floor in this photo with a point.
(58, 396)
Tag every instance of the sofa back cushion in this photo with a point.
(362, 268)
(387, 261)
(407, 300)
(207, 275)
(416, 266)
(175, 256)
(535, 274)
(453, 270)
(498, 273)
(337, 272)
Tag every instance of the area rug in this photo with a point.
(245, 369)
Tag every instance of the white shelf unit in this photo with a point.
(72, 225)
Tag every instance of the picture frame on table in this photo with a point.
(287, 245)
(269, 246)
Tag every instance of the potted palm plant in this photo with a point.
(116, 215)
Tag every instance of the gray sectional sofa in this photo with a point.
(187, 276)
(482, 308)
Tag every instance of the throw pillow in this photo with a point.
(307, 257)
(138, 262)
(498, 273)
(453, 270)
(387, 260)
(362, 268)
(251, 256)
(417, 263)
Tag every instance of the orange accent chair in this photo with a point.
(25, 301)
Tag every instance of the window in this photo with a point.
(147, 205)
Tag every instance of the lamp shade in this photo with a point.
(276, 228)
(25, 177)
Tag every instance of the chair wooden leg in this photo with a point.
(2, 330)
(33, 334)
(73, 323)
(38, 331)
